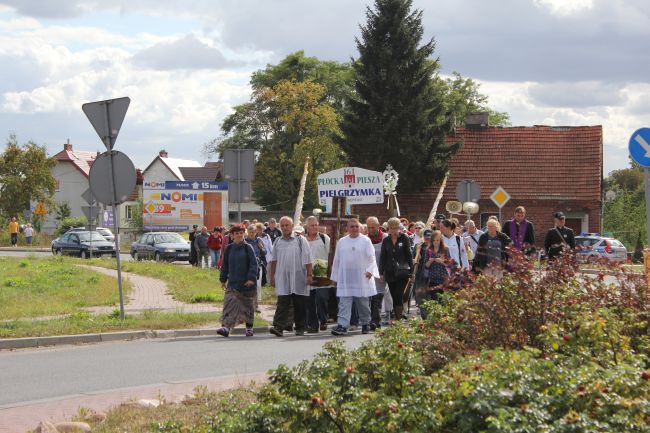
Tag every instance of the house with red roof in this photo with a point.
(543, 168)
(72, 173)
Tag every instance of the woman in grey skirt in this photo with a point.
(238, 277)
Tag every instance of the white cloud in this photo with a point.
(564, 7)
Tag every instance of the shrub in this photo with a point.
(70, 222)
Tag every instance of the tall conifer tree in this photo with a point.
(398, 114)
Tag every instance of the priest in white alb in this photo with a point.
(354, 271)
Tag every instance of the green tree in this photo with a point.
(398, 114)
(25, 175)
(62, 211)
(462, 96)
(137, 215)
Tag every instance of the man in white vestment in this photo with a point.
(353, 270)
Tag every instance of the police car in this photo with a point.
(591, 247)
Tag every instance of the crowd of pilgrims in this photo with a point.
(376, 271)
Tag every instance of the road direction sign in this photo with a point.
(105, 115)
(468, 190)
(87, 195)
(40, 209)
(123, 174)
(639, 146)
(500, 197)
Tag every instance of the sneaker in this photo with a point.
(365, 329)
(249, 332)
(223, 331)
(339, 330)
(300, 332)
(312, 330)
(323, 326)
(275, 331)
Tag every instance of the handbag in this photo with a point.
(401, 270)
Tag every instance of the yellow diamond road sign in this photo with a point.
(500, 197)
(150, 208)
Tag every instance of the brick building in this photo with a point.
(543, 168)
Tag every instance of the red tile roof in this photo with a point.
(82, 160)
(538, 162)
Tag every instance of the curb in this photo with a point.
(609, 273)
(26, 250)
(34, 342)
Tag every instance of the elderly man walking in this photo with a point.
(291, 272)
(353, 270)
(201, 247)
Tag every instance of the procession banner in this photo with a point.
(357, 185)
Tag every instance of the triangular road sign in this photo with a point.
(107, 124)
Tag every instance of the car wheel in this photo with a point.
(57, 252)
(136, 256)
(84, 254)
(157, 256)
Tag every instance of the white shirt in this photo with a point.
(319, 250)
(473, 245)
(29, 232)
(268, 245)
(352, 259)
(291, 255)
(452, 244)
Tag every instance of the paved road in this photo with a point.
(29, 375)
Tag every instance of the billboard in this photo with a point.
(357, 185)
(178, 205)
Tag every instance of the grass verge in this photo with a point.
(193, 414)
(32, 287)
(185, 283)
(85, 323)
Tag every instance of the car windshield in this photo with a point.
(90, 236)
(169, 238)
(104, 232)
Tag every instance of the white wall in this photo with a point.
(158, 172)
(72, 183)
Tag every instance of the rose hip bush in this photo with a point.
(550, 351)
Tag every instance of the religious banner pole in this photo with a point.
(301, 195)
(432, 215)
(391, 177)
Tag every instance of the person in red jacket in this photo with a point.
(214, 245)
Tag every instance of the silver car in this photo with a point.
(592, 247)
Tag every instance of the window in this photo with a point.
(57, 188)
(128, 212)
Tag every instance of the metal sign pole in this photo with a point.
(646, 181)
(90, 223)
(115, 214)
(239, 185)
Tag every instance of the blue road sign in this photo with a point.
(640, 146)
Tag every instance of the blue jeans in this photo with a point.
(345, 310)
(215, 254)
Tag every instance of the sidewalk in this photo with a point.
(21, 417)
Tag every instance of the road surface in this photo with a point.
(29, 375)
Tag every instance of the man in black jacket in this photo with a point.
(559, 237)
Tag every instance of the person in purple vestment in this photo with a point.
(521, 231)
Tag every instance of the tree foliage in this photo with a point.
(625, 215)
(293, 113)
(25, 175)
(398, 115)
(463, 97)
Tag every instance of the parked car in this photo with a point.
(82, 244)
(161, 246)
(106, 233)
(591, 247)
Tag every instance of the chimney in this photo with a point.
(477, 120)
(163, 153)
(67, 146)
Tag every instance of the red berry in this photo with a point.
(567, 338)
(571, 301)
(477, 367)
(601, 276)
(348, 370)
(645, 375)
(400, 345)
(581, 388)
(315, 400)
(412, 381)
(605, 391)
(377, 413)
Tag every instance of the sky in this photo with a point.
(185, 64)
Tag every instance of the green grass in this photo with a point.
(185, 283)
(32, 287)
(85, 323)
(39, 240)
